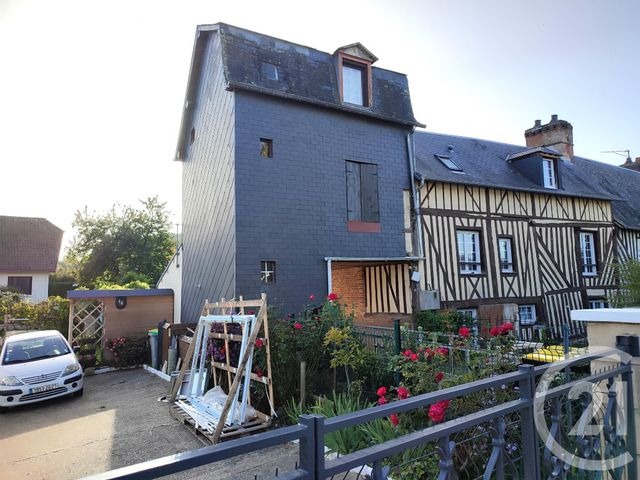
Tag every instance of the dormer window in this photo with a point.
(549, 173)
(354, 70)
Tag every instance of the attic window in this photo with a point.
(549, 173)
(447, 162)
(269, 71)
(355, 80)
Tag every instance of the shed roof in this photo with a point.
(29, 244)
(484, 163)
(153, 292)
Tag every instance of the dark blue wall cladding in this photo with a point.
(292, 208)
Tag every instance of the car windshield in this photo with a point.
(31, 349)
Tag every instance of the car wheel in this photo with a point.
(78, 393)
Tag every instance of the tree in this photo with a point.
(122, 245)
(629, 294)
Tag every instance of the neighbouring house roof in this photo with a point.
(304, 75)
(621, 182)
(29, 244)
(153, 292)
(484, 163)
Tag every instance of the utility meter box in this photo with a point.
(429, 299)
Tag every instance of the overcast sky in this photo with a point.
(91, 91)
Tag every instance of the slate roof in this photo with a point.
(621, 182)
(28, 245)
(484, 164)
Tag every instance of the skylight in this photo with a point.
(269, 71)
(447, 162)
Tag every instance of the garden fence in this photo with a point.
(514, 435)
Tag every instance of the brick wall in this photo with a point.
(348, 283)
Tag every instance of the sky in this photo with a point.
(91, 91)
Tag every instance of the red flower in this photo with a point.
(428, 353)
(382, 400)
(382, 391)
(407, 353)
(439, 377)
(394, 419)
(444, 351)
(312, 297)
(332, 297)
(297, 326)
(403, 393)
(251, 312)
(495, 331)
(464, 332)
(259, 371)
(413, 357)
(259, 343)
(437, 413)
(506, 327)
(445, 403)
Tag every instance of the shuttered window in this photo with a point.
(20, 284)
(362, 192)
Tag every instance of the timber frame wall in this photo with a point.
(545, 247)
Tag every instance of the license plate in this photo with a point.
(44, 388)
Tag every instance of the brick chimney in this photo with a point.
(632, 165)
(556, 134)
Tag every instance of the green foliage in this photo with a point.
(128, 351)
(346, 350)
(133, 285)
(443, 321)
(629, 293)
(50, 314)
(121, 246)
(61, 281)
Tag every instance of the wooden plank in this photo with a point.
(354, 207)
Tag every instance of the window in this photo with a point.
(354, 83)
(447, 162)
(266, 147)
(638, 247)
(599, 303)
(549, 173)
(469, 251)
(20, 284)
(269, 71)
(268, 271)
(362, 192)
(192, 136)
(505, 255)
(588, 250)
(527, 314)
(470, 313)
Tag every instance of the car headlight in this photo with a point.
(9, 382)
(74, 367)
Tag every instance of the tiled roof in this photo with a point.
(28, 244)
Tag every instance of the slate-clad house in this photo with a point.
(533, 226)
(296, 174)
(29, 249)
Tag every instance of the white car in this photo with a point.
(36, 366)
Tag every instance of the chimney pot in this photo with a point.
(538, 123)
(554, 117)
(557, 134)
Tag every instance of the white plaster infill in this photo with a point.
(607, 315)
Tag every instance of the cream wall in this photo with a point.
(172, 278)
(39, 284)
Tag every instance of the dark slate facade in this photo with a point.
(240, 208)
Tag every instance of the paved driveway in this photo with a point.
(118, 422)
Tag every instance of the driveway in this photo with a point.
(117, 423)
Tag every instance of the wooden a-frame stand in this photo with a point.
(235, 375)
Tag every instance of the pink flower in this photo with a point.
(312, 297)
(394, 419)
(251, 312)
(407, 353)
(332, 297)
(428, 353)
(464, 332)
(413, 357)
(382, 391)
(444, 351)
(403, 393)
(382, 400)
(259, 343)
(297, 326)
(437, 413)
(439, 377)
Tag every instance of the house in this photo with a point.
(533, 228)
(296, 175)
(29, 250)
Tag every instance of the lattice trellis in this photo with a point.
(86, 319)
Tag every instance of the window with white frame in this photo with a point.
(597, 303)
(549, 173)
(588, 251)
(469, 251)
(527, 314)
(505, 255)
(638, 247)
(268, 271)
(353, 83)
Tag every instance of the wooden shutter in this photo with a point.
(354, 207)
(369, 181)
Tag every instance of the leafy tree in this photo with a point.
(121, 246)
(629, 275)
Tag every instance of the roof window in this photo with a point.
(269, 71)
(447, 162)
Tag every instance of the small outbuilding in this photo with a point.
(117, 313)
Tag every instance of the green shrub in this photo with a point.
(128, 352)
(50, 314)
(445, 321)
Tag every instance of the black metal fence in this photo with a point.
(553, 421)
